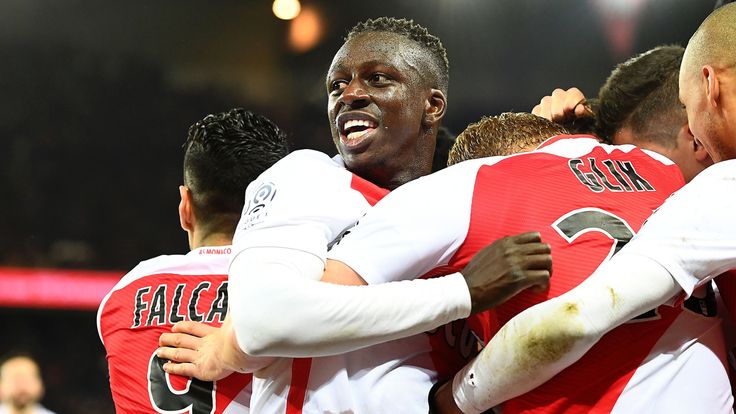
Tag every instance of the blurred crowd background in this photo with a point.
(96, 99)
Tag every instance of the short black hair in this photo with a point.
(224, 152)
(413, 31)
(643, 94)
(445, 141)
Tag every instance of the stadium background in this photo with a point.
(96, 98)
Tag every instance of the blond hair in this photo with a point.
(503, 134)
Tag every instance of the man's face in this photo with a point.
(377, 102)
(705, 126)
(20, 383)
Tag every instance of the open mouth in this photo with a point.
(355, 127)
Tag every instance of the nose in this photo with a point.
(354, 95)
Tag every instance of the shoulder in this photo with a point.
(197, 262)
(300, 169)
(723, 170)
(713, 190)
(308, 157)
(149, 267)
(205, 261)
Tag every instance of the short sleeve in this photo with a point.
(693, 234)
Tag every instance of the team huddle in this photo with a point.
(528, 276)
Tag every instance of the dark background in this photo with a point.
(96, 98)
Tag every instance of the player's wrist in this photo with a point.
(441, 400)
(234, 359)
(431, 398)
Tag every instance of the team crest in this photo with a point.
(255, 208)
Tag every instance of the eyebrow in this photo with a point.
(369, 63)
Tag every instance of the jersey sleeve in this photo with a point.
(693, 234)
(412, 230)
(303, 202)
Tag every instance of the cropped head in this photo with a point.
(641, 97)
(707, 79)
(639, 105)
(505, 134)
(224, 152)
(20, 382)
(387, 92)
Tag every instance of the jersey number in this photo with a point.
(197, 398)
(581, 221)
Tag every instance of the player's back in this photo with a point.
(586, 199)
(586, 206)
(146, 303)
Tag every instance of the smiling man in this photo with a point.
(387, 89)
(387, 95)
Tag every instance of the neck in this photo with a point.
(417, 165)
(211, 239)
(29, 409)
(404, 176)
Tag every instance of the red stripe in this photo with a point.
(370, 191)
(300, 368)
(55, 288)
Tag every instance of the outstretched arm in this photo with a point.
(546, 338)
(285, 314)
(349, 317)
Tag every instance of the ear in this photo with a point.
(434, 108)
(712, 87)
(701, 155)
(186, 214)
(686, 138)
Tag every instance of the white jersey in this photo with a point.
(38, 409)
(693, 234)
(306, 201)
(586, 200)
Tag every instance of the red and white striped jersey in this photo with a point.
(587, 200)
(146, 303)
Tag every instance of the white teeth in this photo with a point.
(355, 122)
(358, 122)
(357, 134)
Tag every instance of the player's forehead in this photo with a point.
(19, 366)
(378, 48)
